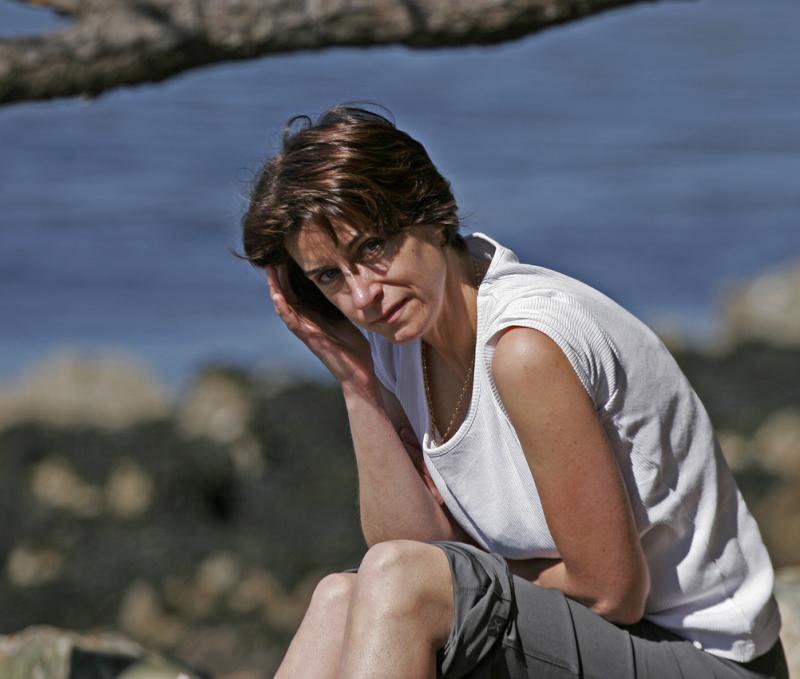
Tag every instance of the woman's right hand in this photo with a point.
(338, 344)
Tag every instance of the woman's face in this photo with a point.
(392, 286)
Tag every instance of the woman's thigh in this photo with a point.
(506, 628)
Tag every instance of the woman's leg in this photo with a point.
(315, 651)
(401, 612)
(390, 620)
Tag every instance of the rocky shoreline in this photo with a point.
(197, 524)
(197, 529)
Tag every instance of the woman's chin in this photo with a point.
(401, 335)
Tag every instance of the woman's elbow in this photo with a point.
(628, 605)
(620, 612)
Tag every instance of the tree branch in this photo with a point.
(127, 42)
(64, 7)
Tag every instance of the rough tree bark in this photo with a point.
(110, 43)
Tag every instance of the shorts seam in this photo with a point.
(498, 594)
(557, 662)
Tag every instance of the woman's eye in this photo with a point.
(327, 276)
(372, 247)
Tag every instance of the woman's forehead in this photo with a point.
(314, 242)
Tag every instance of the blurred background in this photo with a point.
(176, 466)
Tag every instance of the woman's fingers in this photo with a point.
(283, 307)
(278, 281)
(282, 271)
(276, 293)
(340, 347)
(274, 283)
(295, 320)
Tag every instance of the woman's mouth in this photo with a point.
(392, 313)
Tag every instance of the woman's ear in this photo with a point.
(443, 238)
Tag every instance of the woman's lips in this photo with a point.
(392, 313)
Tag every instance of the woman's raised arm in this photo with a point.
(396, 497)
(580, 485)
(396, 500)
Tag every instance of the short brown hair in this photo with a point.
(352, 166)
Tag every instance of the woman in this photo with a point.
(540, 488)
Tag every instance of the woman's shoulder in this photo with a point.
(508, 282)
(577, 315)
(523, 352)
(531, 296)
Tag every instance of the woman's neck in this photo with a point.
(453, 335)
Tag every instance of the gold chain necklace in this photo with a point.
(467, 380)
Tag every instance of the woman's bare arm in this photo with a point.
(395, 500)
(396, 496)
(582, 492)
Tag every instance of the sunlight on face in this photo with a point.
(392, 286)
(328, 259)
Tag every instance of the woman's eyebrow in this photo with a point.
(313, 272)
(354, 240)
(349, 246)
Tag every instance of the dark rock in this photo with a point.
(203, 533)
(743, 385)
(151, 528)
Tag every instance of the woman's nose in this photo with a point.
(364, 289)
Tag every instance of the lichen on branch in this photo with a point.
(112, 43)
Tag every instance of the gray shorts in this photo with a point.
(505, 627)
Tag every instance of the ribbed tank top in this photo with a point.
(711, 577)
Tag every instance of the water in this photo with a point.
(652, 152)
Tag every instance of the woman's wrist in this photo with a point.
(361, 387)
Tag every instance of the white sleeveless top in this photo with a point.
(711, 577)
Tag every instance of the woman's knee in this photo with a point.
(395, 561)
(333, 594)
(405, 575)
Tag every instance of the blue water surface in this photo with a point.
(653, 152)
